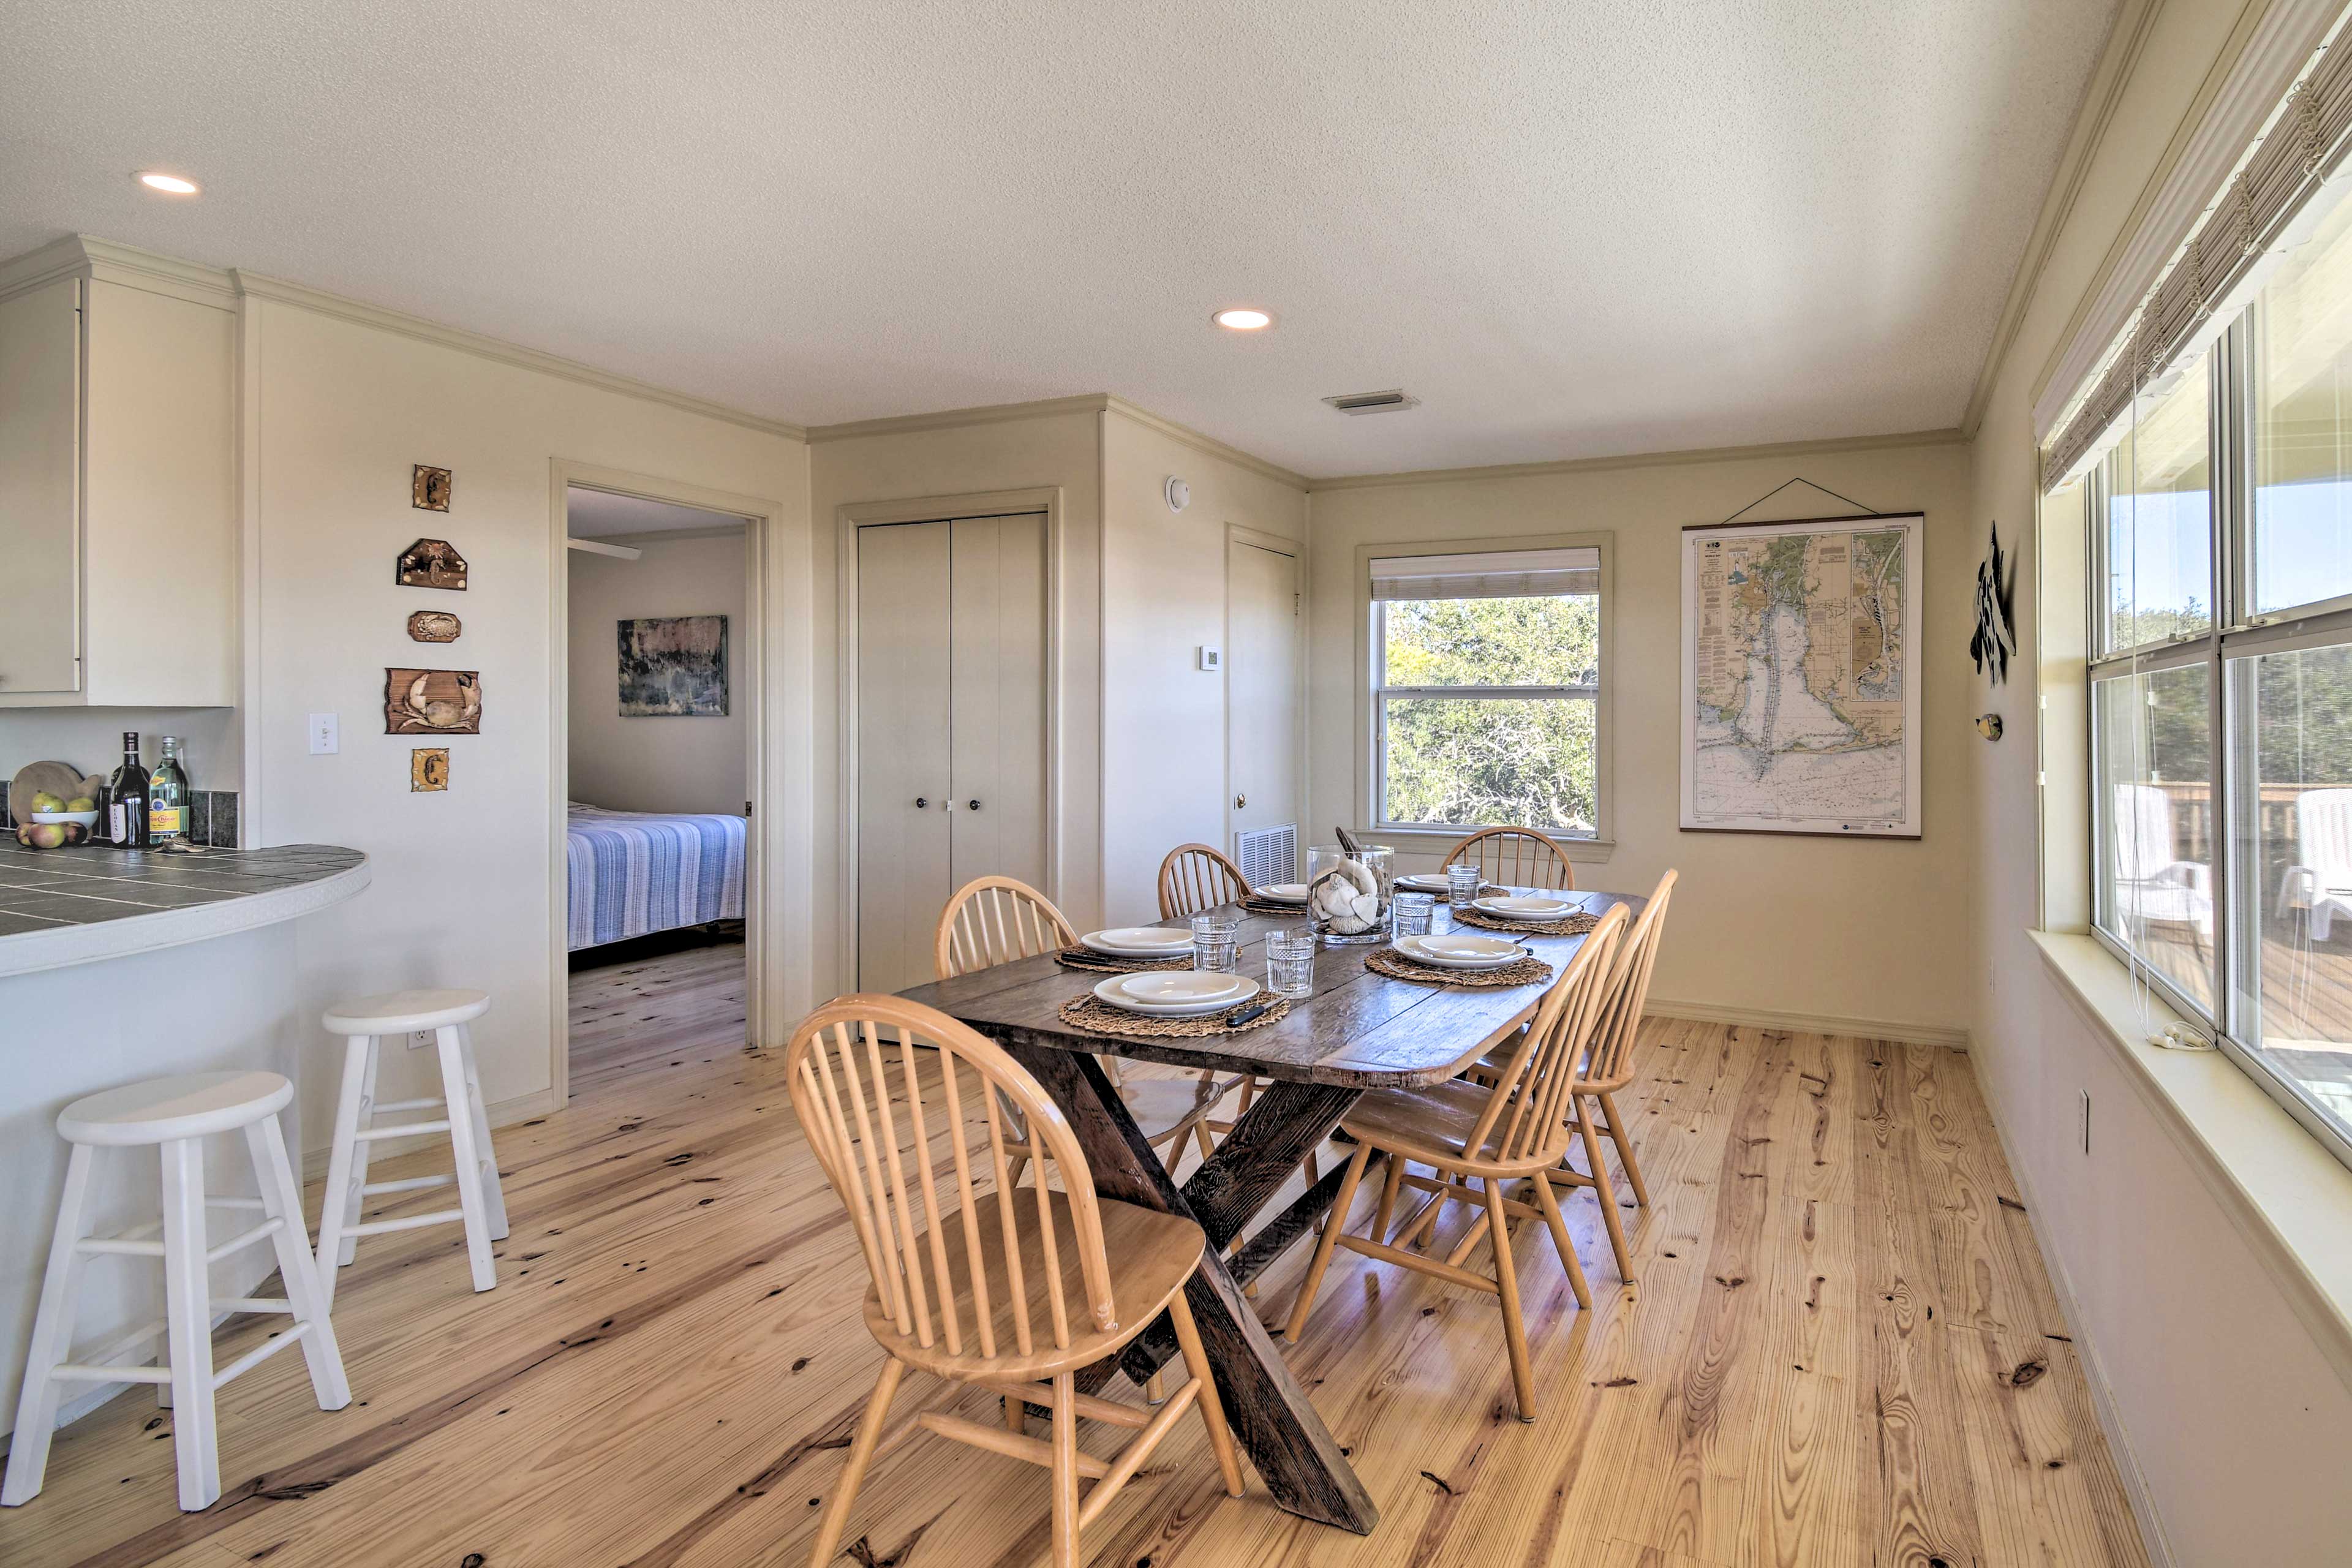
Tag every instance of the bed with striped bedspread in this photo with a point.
(638, 871)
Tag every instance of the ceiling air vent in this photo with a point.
(1371, 401)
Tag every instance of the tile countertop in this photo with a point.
(80, 905)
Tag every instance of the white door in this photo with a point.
(1261, 675)
(950, 726)
(902, 750)
(997, 723)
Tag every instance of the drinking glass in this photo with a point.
(1290, 963)
(1216, 947)
(1462, 882)
(1410, 913)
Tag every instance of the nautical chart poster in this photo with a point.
(1801, 676)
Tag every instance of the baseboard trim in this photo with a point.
(2136, 1491)
(1811, 1023)
(502, 1114)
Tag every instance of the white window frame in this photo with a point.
(2235, 633)
(1371, 695)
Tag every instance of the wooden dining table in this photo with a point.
(1357, 1030)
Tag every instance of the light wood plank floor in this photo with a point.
(1843, 1351)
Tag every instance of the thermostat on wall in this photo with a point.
(1208, 657)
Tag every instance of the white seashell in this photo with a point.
(1345, 897)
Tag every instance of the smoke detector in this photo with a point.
(1371, 401)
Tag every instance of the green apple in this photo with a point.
(81, 803)
(44, 801)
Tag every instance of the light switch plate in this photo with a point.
(325, 737)
(1209, 658)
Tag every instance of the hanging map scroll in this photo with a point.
(1801, 676)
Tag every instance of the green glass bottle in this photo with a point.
(167, 797)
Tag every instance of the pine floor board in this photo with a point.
(1840, 1349)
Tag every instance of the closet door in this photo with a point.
(903, 812)
(1262, 706)
(997, 761)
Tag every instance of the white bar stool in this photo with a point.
(481, 1204)
(177, 1113)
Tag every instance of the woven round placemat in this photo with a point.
(1274, 907)
(1568, 925)
(1388, 961)
(1100, 1017)
(1113, 964)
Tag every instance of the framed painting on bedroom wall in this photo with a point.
(674, 667)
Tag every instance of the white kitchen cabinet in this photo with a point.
(118, 505)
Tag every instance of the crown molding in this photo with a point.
(86, 256)
(953, 418)
(255, 285)
(2266, 51)
(1643, 460)
(2134, 21)
(1208, 443)
(1047, 408)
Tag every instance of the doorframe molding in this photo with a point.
(849, 518)
(772, 858)
(1274, 544)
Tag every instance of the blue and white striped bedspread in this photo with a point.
(638, 871)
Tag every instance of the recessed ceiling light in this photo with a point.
(1243, 320)
(170, 184)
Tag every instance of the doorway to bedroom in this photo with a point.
(660, 727)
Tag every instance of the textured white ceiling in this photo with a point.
(601, 514)
(1570, 227)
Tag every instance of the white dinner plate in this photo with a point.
(1139, 941)
(1524, 907)
(1424, 882)
(1176, 993)
(1461, 950)
(1285, 892)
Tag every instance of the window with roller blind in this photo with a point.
(2219, 530)
(1486, 690)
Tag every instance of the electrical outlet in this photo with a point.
(419, 1038)
(2083, 1119)
(325, 740)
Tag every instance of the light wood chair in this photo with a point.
(1608, 1068)
(997, 920)
(1195, 876)
(1477, 1138)
(1192, 878)
(1003, 1288)
(1516, 858)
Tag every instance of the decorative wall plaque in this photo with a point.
(428, 489)
(431, 564)
(428, 768)
(433, 625)
(432, 702)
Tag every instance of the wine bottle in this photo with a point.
(126, 795)
(167, 795)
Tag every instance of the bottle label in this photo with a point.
(162, 819)
(116, 828)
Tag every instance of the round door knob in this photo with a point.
(1240, 801)
(920, 802)
(974, 805)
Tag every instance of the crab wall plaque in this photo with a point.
(432, 702)
(433, 625)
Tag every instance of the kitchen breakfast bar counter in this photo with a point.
(118, 965)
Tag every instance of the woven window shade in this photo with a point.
(2306, 142)
(1495, 575)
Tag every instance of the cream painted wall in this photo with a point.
(1872, 935)
(1061, 450)
(2232, 1424)
(337, 412)
(1163, 596)
(671, 762)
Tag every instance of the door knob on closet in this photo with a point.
(974, 805)
(921, 803)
